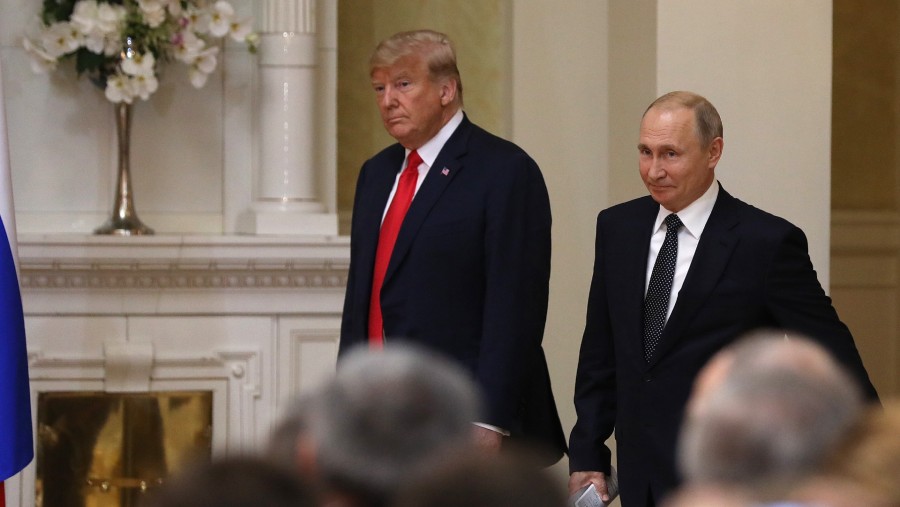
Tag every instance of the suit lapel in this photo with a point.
(633, 276)
(373, 201)
(713, 252)
(446, 166)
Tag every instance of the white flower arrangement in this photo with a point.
(121, 43)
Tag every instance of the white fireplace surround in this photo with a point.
(241, 291)
(253, 319)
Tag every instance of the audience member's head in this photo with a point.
(484, 480)
(282, 447)
(763, 351)
(385, 416)
(764, 413)
(708, 495)
(864, 468)
(233, 482)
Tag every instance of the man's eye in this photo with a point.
(403, 84)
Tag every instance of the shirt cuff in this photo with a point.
(501, 431)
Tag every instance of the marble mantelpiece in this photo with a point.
(252, 319)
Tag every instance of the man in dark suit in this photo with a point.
(452, 250)
(665, 298)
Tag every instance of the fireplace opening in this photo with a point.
(98, 449)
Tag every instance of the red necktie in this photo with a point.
(390, 227)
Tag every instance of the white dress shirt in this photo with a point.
(694, 218)
(429, 152)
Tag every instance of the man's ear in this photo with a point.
(715, 151)
(448, 92)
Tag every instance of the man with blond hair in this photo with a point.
(450, 243)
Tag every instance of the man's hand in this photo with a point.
(486, 439)
(579, 480)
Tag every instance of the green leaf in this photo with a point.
(57, 10)
(86, 61)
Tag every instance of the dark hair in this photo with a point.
(484, 480)
(233, 482)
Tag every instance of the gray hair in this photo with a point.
(782, 405)
(387, 415)
(708, 123)
(294, 423)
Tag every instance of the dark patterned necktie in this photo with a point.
(656, 303)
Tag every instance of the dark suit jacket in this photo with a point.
(751, 270)
(469, 273)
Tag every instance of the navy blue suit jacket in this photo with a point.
(751, 270)
(469, 273)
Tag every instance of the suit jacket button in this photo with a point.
(648, 378)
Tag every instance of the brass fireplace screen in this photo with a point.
(107, 449)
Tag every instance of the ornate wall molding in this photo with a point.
(176, 276)
(87, 262)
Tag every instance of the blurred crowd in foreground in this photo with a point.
(772, 421)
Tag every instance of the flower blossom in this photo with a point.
(61, 38)
(100, 23)
(153, 12)
(240, 29)
(203, 66)
(187, 46)
(174, 7)
(41, 61)
(100, 17)
(141, 64)
(220, 20)
(119, 89)
(144, 85)
(121, 43)
(196, 20)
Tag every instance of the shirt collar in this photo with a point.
(695, 215)
(430, 150)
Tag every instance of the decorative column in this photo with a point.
(287, 197)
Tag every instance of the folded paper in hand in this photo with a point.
(588, 496)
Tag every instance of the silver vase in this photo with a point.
(124, 220)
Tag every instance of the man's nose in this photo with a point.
(657, 169)
(388, 98)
